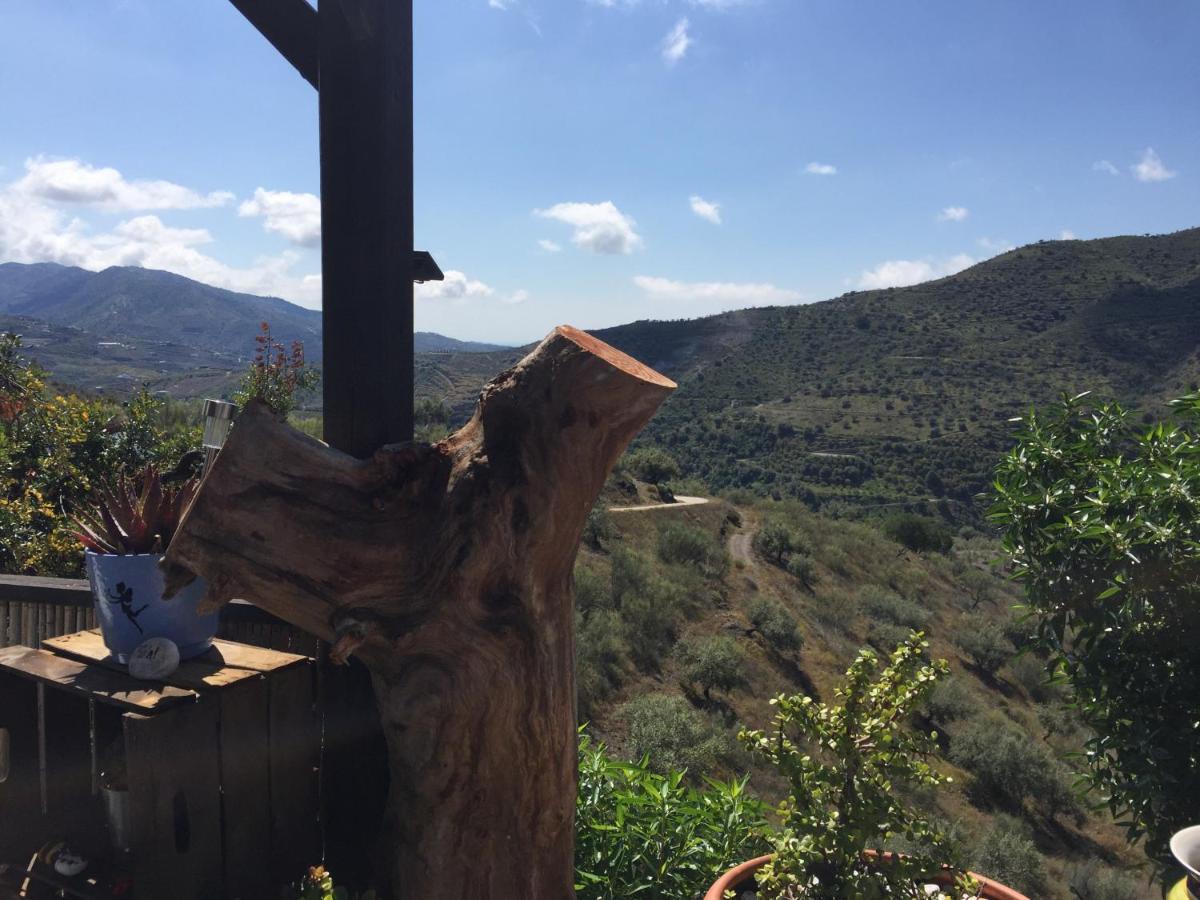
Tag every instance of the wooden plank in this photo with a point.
(295, 757)
(92, 680)
(291, 27)
(30, 589)
(366, 124)
(174, 796)
(246, 789)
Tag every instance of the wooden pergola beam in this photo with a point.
(292, 28)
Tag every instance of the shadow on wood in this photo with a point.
(447, 569)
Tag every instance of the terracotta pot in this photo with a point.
(989, 890)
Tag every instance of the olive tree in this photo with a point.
(1101, 518)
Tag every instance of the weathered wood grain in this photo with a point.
(447, 568)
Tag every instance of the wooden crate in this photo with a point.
(222, 764)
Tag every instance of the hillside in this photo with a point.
(147, 326)
(659, 588)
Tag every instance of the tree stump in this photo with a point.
(447, 568)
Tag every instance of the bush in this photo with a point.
(598, 654)
(890, 607)
(1101, 519)
(679, 543)
(1008, 767)
(1028, 671)
(984, 642)
(801, 567)
(777, 626)
(1006, 853)
(670, 734)
(630, 575)
(598, 528)
(951, 700)
(651, 616)
(590, 590)
(1094, 881)
(714, 663)
(775, 542)
(652, 465)
(884, 635)
(641, 834)
(835, 608)
(919, 534)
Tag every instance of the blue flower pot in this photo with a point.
(128, 594)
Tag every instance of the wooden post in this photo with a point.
(366, 103)
(448, 569)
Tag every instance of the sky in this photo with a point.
(595, 162)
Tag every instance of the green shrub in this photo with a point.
(671, 734)
(1009, 767)
(884, 635)
(651, 464)
(713, 663)
(590, 590)
(985, 643)
(773, 621)
(801, 567)
(679, 543)
(890, 607)
(641, 834)
(775, 542)
(835, 608)
(651, 617)
(630, 575)
(951, 700)
(919, 534)
(1101, 519)
(598, 528)
(1028, 671)
(1092, 880)
(599, 651)
(1006, 853)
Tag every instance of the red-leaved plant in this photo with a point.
(134, 515)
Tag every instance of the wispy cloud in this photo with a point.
(731, 294)
(295, 216)
(1103, 165)
(953, 214)
(1067, 235)
(903, 272)
(1150, 168)
(456, 287)
(675, 45)
(706, 210)
(598, 227)
(75, 183)
(818, 168)
(550, 246)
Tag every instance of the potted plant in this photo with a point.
(846, 766)
(124, 533)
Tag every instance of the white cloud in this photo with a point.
(719, 4)
(1104, 165)
(903, 272)
(295, 216)
(500, 4)
(816, 168)
(1151, 168)
(727, 293)
(675, 45)
(517, 296)
(75, 183)
(599, 227)
(953, 214)
(456, 287)
(995, 246)
(706, 210)
(35, 228)
(1067, 235)
(550, 246)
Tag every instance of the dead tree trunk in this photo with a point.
(447, 568)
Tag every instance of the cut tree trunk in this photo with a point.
(447, 568)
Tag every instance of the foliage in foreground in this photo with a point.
(642, 834)
(1101, 518)
(843, 764)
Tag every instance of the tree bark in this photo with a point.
(448, 569)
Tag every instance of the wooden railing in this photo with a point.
(33, 609)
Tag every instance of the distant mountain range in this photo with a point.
(873, 398)
(141, 316)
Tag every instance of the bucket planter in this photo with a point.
(740, 880)
(128, 594)
(125, 532)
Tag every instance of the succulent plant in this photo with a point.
(135, 515)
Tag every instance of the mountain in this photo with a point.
(149, 312)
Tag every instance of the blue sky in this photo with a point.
(597, 162)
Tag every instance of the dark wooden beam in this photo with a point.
(291, 27)
(366, 102)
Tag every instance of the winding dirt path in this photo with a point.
(679, 502)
